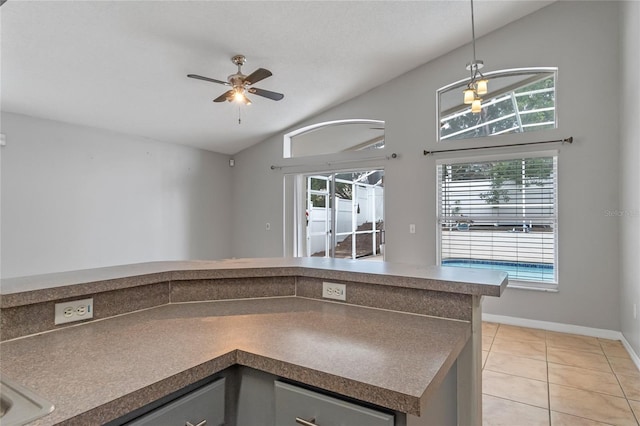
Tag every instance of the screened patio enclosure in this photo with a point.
(344, 215)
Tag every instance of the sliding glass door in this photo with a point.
(344, 215)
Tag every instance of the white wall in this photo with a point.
(76, 197)
(629, 223)
(568, 35)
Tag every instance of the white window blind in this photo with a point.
(500, 214)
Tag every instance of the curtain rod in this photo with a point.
(565, 140)
(329, 163)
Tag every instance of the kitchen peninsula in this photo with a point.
(405, 340)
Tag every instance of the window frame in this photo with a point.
(513, 283)
(461, 84)
(288, 139)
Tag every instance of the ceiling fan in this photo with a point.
(240, 84)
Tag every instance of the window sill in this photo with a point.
(524, 285)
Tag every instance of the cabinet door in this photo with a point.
(203, 404)
(293, 402)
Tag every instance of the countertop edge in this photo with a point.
(402, 402)
(76, 283)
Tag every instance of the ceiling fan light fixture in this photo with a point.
(239, 96)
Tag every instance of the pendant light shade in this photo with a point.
(469, 95)
(476, 106)
(481, 86)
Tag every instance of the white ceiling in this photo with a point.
(122, 65)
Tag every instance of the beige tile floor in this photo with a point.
(534, 377)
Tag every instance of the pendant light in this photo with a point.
(478, 85)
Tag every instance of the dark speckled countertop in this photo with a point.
(99, 371)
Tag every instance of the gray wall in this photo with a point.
(629, 223)
(75, 197)
(565, 34)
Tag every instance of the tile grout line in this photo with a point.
(546, 362)
(636, 416)
(518, 402)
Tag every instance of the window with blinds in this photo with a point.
(500, 214)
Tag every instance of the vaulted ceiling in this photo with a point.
(122, 65)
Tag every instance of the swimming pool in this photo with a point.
(516, 270)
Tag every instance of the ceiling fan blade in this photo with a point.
(266, 93)
(224, 97)
(257, 75)
(213, 80)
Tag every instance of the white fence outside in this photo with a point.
(535, 247)
(368, 200)
(463, 198)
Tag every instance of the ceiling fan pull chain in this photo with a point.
(239, 116)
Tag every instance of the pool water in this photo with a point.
(516, 270)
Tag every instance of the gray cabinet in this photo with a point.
(205, 404)
(295, 405)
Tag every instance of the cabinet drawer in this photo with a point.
(205, 403)
(294, 402)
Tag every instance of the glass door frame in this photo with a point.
(303, 211)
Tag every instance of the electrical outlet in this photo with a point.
(334, 291)
(76, 310)
(412, 228)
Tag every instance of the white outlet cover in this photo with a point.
(334, 291)
(80, 310)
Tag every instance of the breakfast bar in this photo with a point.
(404, 340)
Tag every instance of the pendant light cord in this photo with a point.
(473, 36)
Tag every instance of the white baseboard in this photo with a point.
(565, 328)
(634, 356)
(554, 326)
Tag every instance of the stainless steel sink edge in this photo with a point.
(20, 405)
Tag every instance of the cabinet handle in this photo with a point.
(202, 423)
(303, 422)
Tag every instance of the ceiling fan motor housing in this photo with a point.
(236, 80)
